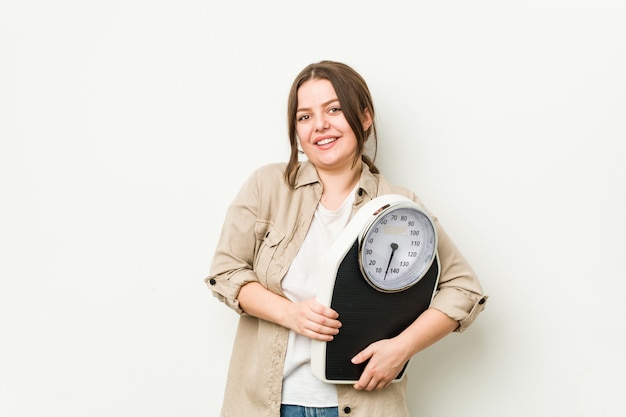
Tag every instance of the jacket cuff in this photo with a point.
(226, 289)
(460, 305)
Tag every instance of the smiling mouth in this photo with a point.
(325, 141)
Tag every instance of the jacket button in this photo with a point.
(347, 410)
(360, 192)
(482, 301)
(212, 281)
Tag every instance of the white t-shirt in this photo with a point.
(300, 387)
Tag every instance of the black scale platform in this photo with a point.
(368, 315)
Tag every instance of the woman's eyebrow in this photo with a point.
(326, 103)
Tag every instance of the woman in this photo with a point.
(265, 266)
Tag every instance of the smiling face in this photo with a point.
(318, 84)
(325, 135)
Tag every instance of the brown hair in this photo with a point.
(355, 99)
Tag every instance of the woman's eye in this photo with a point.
(303, 117)
(334, 109)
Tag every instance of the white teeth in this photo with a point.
(325, 141)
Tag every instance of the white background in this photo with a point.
(127, 127)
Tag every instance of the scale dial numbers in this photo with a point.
(398, 247)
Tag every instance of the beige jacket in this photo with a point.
(262, 233)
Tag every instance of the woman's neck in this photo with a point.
(337, 185)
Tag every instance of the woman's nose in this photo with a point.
(321, 123)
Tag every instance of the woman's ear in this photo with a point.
(366, 120)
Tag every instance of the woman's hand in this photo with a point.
(308, 318)
(313, 320)
(386, 358)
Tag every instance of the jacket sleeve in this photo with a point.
(459, 294)
(232, 264)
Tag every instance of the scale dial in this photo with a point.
(398, 247)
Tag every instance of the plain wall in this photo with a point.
(127, 127)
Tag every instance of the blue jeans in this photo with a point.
(299, 411)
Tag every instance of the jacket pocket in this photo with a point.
(269, 237)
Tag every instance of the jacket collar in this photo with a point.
(307, 174)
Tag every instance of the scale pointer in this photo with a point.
(394, 247)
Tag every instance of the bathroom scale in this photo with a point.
(380, 274)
